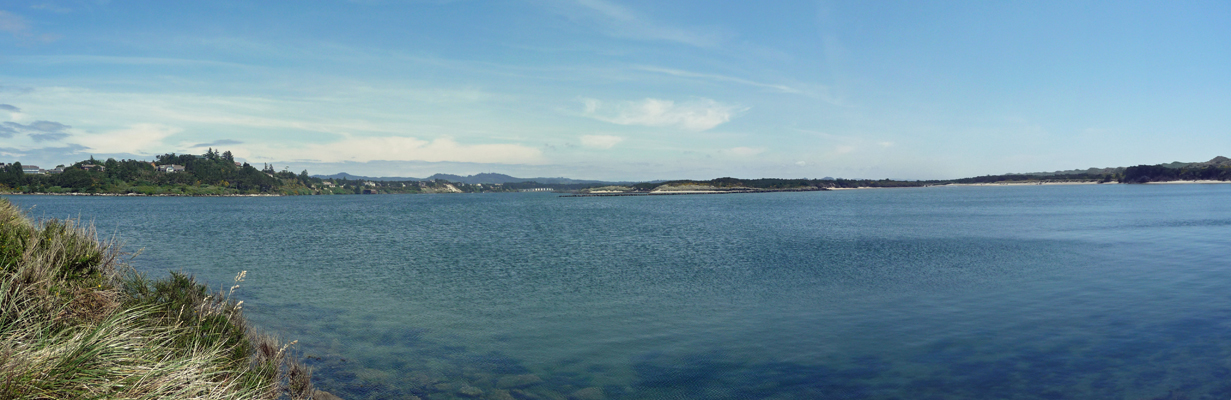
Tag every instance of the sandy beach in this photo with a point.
(1032, 183)
(1181, 182)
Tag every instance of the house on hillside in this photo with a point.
(31, 169)
(169, 168)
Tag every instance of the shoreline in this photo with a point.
(1196, 182)
(672, 192)
(692, 192)
(1040, 183)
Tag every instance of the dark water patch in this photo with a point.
(702, 376)
(400, 337)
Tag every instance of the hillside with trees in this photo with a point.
(212, 173)
(1217, 169)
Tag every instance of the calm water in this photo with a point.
(1084, 292)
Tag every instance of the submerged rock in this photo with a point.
(590, 393)
(500, 394)
(323, 395)
(470, 391)
(518, 381)
(524, 395)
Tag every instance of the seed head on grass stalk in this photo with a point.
(73, 326)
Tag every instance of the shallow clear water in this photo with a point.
(1117, 291)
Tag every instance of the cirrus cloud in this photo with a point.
(746, 151)
(135, 139)
(600, 141)
(398, 148)
(694, 115)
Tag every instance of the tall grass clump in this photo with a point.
(76, 323)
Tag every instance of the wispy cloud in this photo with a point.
(39, 126)
(216, 143)
(721, 78)
(694, 115)
(746, 151)
(17, 26)
(7, 107)
(15, 89)
(40, 131)
(399, 148)
(600, 141)
(123, 60)
(48, 137)
(42, 154)
(617, 20)
(14, 24)
(55, 8)
(135, 139)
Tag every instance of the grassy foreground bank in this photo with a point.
(76, 323)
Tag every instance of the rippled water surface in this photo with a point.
(1116, 291)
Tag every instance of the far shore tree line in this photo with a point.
(215, 173)
(212, 173)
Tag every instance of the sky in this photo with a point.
(620, 89)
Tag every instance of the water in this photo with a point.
(1116, 291)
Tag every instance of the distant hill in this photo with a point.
(1088, 171)
(343, 175)
(1219, 161)
(1216, 169)
(484, 178)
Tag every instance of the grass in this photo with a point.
(77, 323)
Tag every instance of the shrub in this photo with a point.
(73, 326)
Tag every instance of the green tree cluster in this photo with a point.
(212, 173)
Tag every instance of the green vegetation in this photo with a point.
(1217, 169)
(1037, 178)
(209, 174)
(212, 173)
(75, 325)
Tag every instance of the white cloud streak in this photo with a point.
(14, 24)
(746, 151)
(20, 29)
(397, 148)
(600, 141)
(136, 139)
(722, 78)
(618, 21)
(694, 115)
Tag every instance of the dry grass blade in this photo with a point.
(72, 326)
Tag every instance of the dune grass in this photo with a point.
(76, 323)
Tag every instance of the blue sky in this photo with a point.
(620, 90)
